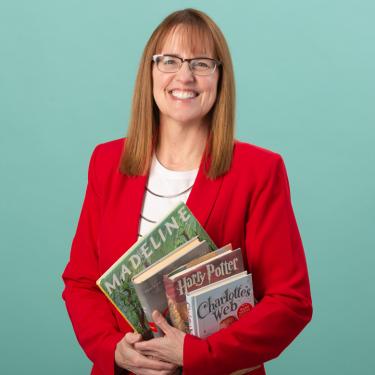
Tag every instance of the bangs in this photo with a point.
(195, 37)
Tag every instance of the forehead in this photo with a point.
(187, 40)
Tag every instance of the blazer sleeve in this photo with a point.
(92, 319)
(277, 261)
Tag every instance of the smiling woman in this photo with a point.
(180, 147)
(183, 36)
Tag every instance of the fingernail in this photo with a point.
(156, 315)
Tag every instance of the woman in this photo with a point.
(181, 146)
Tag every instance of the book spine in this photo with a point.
(191, 310)
(174, 314)
(179, 315)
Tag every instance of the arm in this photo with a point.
(277, 262)
(93, 321)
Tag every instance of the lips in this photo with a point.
(183, 94)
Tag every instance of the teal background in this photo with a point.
(305, 80)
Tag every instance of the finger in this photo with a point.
(154, 353)
(153, 364)
(161, 322)
(147, 371)
(151, 345)
(133, 337)
(149, 354)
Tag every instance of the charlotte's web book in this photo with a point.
(218, 305)
(149, 283)
(225, 263)
(175, 229)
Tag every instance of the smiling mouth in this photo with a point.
(183, 94)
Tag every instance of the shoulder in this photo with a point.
(105, 162)
(257, 167)
(254, 158)
(109, 152)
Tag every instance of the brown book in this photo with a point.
(224, 263)
(149, 285)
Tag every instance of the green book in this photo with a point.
(178, 227)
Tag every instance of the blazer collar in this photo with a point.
(204, 193)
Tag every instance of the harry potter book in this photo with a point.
(221, 264)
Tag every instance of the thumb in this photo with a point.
(133, 337)
(161, 322)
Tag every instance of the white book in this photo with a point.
(219, 304)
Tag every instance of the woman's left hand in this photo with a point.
(168, 348)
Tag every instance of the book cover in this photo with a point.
(218, 305)
(225, 263)
(149, 285)
(175, 229)
(201, 259)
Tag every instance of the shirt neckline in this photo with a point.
(169, 173)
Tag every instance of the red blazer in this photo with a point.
(249, 207)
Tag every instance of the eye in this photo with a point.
(201, 64)
(168, 60)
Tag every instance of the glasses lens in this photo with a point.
(168, 64)
(172, 64)
(203, 66)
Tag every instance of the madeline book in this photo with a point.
(178, 227)
(219, 265)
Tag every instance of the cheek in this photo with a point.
(211, 91)
(212, 83)
(157, 83)
(160, 80)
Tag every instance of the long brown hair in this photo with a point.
(143, 127)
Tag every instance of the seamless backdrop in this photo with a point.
(305, 80)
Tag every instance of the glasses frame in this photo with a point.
(217, 63)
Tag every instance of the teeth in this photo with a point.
(183, 94)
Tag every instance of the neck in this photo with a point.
(181, 145)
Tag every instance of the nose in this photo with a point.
(185, 74)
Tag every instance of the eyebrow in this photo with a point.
(196, 57)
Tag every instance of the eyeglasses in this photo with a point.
(200, 66)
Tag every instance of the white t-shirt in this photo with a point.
(163, 192)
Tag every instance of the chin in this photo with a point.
(186, 118)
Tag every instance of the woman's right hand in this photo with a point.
(130, 359)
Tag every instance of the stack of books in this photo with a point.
(177, 270)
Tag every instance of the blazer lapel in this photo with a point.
(129, 206)
(204, 194)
